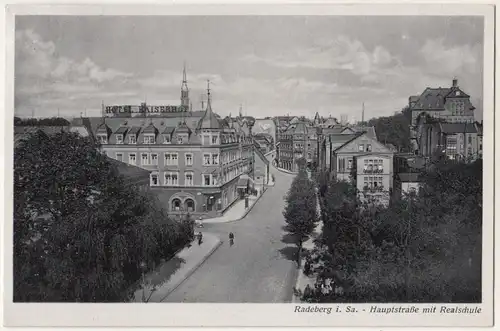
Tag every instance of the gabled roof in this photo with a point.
(169, 130)
(150, 129)
(183, 128)
(344, 141)
(103, 128)
(121, 130)
(432, 99)
(134, 130)
(300, 128)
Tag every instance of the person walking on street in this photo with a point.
(231, 238)
(200, 238)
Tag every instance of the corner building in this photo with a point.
(194, 161)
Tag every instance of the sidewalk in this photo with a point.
(303, 280)
(236, 212)
(171, 274)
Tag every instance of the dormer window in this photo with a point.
(180, 140)
(103, 138)
(166, 139)
(149, 139)
(132, 139)
(119, 138)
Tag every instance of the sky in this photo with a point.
(270, 65)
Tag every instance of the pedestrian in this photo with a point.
(231, 238)
(200, 238)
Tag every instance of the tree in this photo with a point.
(80, 233)
(53, 121)
(394, 129)
(425, 247)
(300, 212)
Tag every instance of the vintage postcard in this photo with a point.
(249, 165)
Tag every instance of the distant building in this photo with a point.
(265, 126)
(407, 169)
(448, 105)
(455, 140)
(264, 141)
(298, 140)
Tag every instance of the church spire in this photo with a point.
(185, 104)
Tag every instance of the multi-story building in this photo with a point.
(444, 105)
(407, 169)
(367, 162)
(458, 141)
(194, 161)
(295, 143)
(264, 141)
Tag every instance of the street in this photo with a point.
(257, 268)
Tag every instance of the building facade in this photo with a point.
(448, 105)
(194, 161)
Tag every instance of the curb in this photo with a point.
(190, 272)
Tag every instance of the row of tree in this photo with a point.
(52, 121)
(394, 129)
(81, 234)
(301, 215)
(424, 247)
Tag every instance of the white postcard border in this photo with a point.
(183, 314)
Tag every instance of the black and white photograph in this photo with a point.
(324, 163)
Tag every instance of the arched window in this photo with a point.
(189, 205)
(176, 204)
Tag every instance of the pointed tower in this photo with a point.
(184, 91)
(209, 121)
(241, 110)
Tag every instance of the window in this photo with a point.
(166, 139)
(154, 159)
(144, 159)
(188, 179)
(470, 139)
(189, 159)
(179, 140)
(119, 157)
(368, 147)
(154, 180)
(214, 180)
(361, 147)
(206, 159)
(103, 138)
(214, 140)
(349, 164)
(149, 139)
(168, 179)
(215, 158)
(206, 139)
(171, 159)
(132, 139)
(206, 180)
(119, 139)
(175, 179)
(132, 158)
(480, 147)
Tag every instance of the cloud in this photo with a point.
(41, 72)
(452, 60)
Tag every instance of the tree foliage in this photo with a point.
(301, 209)
(52, 121)
(425, 247)
(80, 233)
(394, 129)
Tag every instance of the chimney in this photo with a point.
(455, 82)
